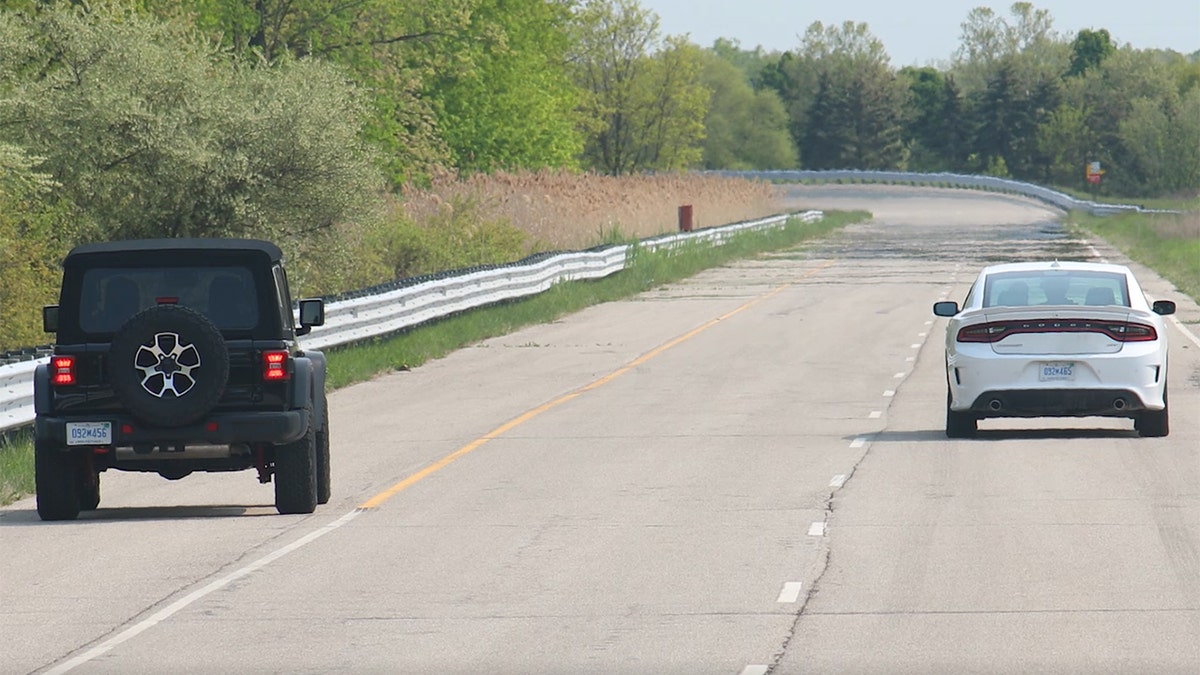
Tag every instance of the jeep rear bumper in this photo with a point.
(216, 429)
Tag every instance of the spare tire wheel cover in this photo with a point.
(168, 365)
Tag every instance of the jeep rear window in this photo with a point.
(110, 296)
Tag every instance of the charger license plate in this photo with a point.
(89, 433)
(1057, 372)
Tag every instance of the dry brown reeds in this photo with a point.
(566, 210)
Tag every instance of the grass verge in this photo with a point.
(1167, 243)
(411, 348)
(16, 466)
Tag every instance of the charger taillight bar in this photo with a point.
(1121, 331)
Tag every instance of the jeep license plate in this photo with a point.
(89, 433)
(1057, 372)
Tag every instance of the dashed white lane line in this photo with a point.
(898, 376)
(858, 442)
(910, 359)
(888, 393)
(915, 345)
(928, 323)
(922, 334)
(816, 530)
(838, 480)
(875, 414)
(754, 670)
(182, 603)
(790, 592)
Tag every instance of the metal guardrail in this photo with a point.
(376, 313)
(371, 316)
(991, 183)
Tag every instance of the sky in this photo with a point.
(921, 32)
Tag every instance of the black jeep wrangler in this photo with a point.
(174, 356)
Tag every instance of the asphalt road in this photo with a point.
(744, 472)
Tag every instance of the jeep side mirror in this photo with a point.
(312, 313)
(1164, 307)
(50, 318)
(945, 308)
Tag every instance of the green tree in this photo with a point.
(512, 103)
(1067, 141)
(34, 235)
(390, 48)
(828, 138)
(643, 102)
(1025, 42)
(953, 145)
(849, 106)
(1008, 113)
(152, 132)
(744, 129)
(1107, 93)
(751, 62)
(1089, 49)
(925, 126)
(1162, 142)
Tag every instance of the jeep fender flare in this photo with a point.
(302, 383)
(319, 370)
(310, 384)
(42, 400)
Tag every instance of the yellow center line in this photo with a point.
(379, 499)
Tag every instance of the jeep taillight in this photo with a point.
(62, 371)
(275, 366)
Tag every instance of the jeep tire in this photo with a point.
(296, 472)
(186, 383)
(323, 488)
(58, 481)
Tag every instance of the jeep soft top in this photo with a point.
(174, 356)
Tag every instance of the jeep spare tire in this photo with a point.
(168, 365)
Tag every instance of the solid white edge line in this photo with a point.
(1183, 329)
(790, 592)
(175, 607)
(816, 529)
(754, 670)
(1179, 324)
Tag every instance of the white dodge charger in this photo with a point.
(1056, 339)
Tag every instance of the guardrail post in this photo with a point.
(685, 218)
